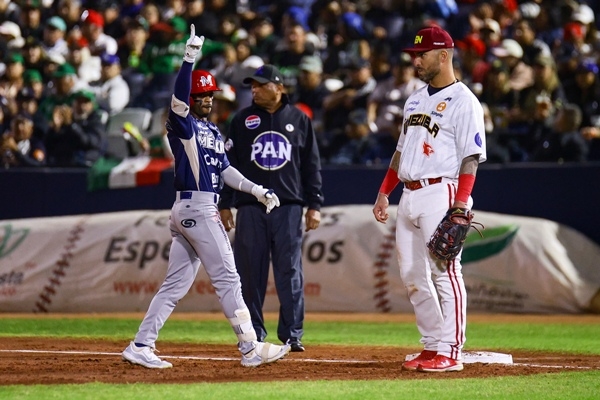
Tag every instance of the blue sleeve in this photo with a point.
(183, 82)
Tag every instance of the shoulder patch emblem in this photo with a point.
(252, 121)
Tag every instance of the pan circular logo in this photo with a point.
(271, 150)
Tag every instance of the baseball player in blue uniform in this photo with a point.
(198, 236)
(273, 143)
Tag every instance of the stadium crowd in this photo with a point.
(68, 66)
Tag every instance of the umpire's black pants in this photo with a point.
(260, 237)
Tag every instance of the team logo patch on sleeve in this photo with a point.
(252, 121)
(478, 140)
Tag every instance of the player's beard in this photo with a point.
(427, 74)
(201, 110)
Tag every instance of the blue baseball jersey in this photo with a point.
(199, 153)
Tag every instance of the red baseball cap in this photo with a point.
(93, 18)
(431, 38)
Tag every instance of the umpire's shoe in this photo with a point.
(144, 356)
(264, 353)
(296, 345)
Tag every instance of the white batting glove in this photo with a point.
(193, 46)
(266, 196)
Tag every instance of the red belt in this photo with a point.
(414, 185)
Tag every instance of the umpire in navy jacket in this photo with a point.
(273, 143)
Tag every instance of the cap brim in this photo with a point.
(417, 49)
(258, 79)
(500, 52)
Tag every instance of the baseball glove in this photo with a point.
(449, 237)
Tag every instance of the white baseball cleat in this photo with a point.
(264, 353)
(144, 356)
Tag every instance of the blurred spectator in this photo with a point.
(224, 107)
(352, 95)
(264, 37)
(160, 62)
(70, 11)
(4, 116)
(75, 137)
(28, 106)
(10, 33)
(386, 103)
(92, 29)
(311, 91)
(381, 61)
(497, 152)
(546, 89)
(205, 21)
(131, 49)
(111, 91)
(289, 52)
(86, 65)
(151, 14)
(50, 65)
(230, 29)
(584, 15)
(350, 42)
(19, 148)
(12, 79)
(491, 35)
(572, 48)
(547, 25)
(511, 54)
(32, 78)
(583, 89)
(9, 11)
(53, 41)
(563, 142)
(524, 34)
(131, 8)
(472, 56)
(33, 54)
(223, 64)
(31, 19)
(114, 26)
(538, 104)
(64, 84)
(172, 9)
(498, 95)
(355, 144)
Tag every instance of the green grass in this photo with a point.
(580, 385)
(553, 337)
(580, 338)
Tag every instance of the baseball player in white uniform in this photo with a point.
(198, 236)
(440, 147)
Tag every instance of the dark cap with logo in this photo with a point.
(430, 39)
(266, 73)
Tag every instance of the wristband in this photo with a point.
(465, 186)
(390, 182)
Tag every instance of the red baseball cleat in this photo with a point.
(414, 363)
(440, 363)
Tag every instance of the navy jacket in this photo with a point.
(278, 151)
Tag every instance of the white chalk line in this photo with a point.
(312, 360)
(97, 353)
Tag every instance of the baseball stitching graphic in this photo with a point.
(58, 272)
(381, 267)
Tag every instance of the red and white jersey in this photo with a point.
(439, 131)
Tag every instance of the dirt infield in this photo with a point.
(60, 361)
